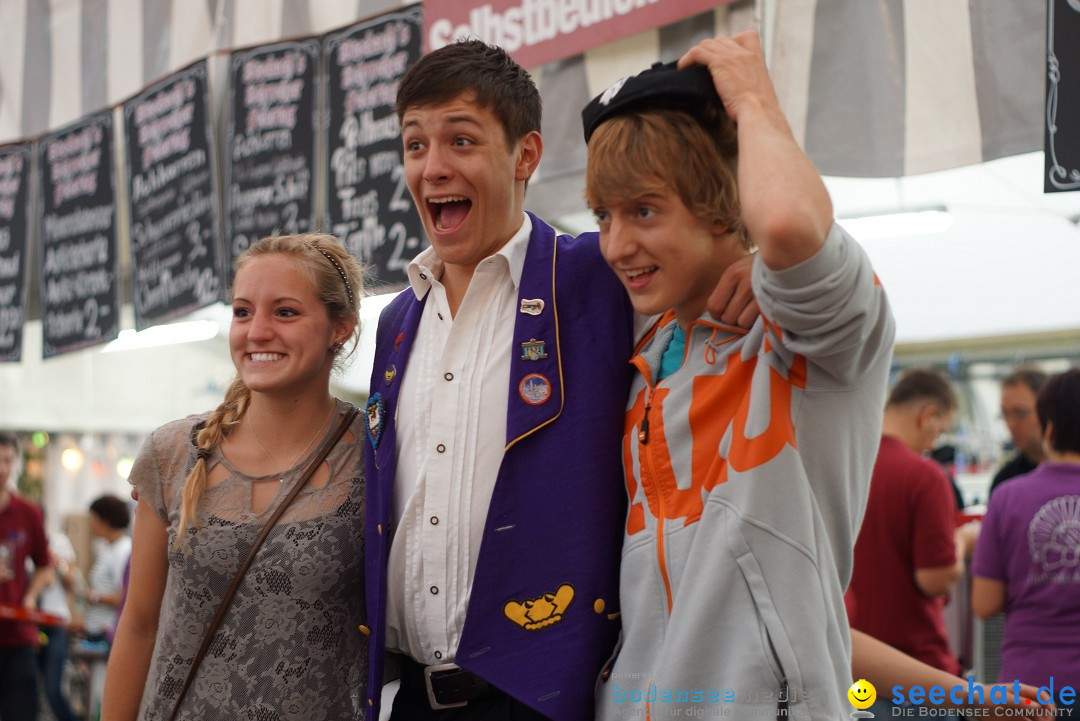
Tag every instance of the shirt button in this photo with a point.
(448, 376)
(438, 654)
(434, 520)
(440, 448)
(440, 315)
(423, 277)
(434, 590)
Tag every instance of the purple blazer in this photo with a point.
(543, 615)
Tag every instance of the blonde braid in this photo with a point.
(224, 418)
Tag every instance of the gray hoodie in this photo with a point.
(748, 471)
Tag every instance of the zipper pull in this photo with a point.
(643, 434)
(783, 698)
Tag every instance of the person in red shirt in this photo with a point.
(909, 553)
(22, 536)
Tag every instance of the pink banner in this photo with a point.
(536, 32)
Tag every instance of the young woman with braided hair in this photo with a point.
(289, 646)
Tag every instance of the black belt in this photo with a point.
(447, 685)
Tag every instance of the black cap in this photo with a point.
(661, 86)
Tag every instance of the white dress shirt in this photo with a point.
(451, 430)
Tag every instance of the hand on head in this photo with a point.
(737, 65)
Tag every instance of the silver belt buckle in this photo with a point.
(435, 705)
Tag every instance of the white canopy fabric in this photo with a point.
(1005, 266)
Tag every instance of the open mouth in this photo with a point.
(636, 277)
(448, 213)
(265, 357)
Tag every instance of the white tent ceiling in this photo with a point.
(1006, 265)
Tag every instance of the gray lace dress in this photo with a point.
(289, 647)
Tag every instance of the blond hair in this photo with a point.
(338, 281)
(642, 152)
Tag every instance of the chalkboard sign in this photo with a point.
(271, 143)
(1061, 140)
(368, 202)
(174, 245)
(14, 179)
(80, 298)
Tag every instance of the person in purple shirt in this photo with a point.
(1027, 561)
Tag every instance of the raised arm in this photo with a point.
(785, 205)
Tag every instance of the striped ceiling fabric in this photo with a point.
(63, 59)
(898, 88)
(871, 88)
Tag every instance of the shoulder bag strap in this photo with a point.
(324, 450)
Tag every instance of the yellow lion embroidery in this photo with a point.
(536, 613)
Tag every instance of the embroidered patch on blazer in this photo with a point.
(532, 306)
(534, 614)
(375, 419)
(535, 389)
(533, 350)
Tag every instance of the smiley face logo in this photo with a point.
(862, 694)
